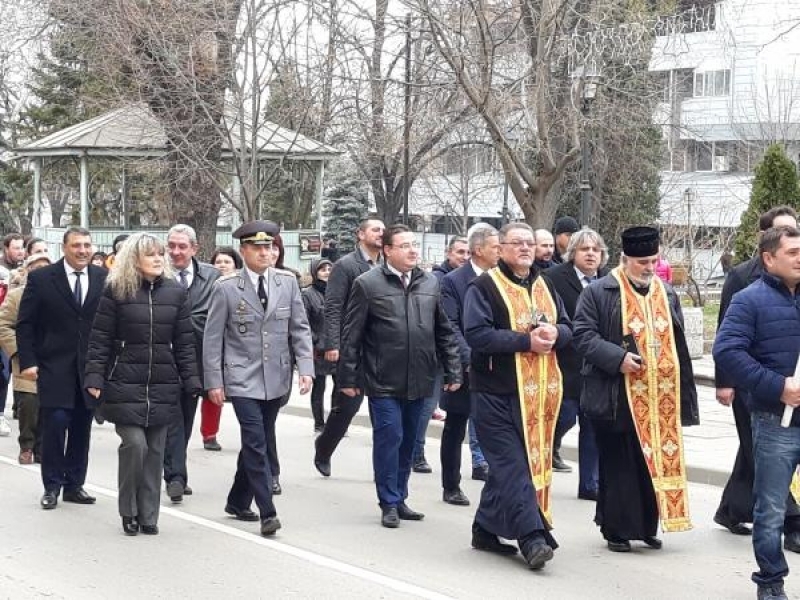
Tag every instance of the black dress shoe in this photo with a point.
(619, 545)
(130, 525)
(653, 542)
(149, 529)
(241, 515)
(480, 473)
(78, 496)
(421, 466)
(455, 497)
(270, 526)
(277, 490)
(323, 466)
(483, 540)
(175, 491)
(536, 554)
(212, 444)
(791, 541)
(390, 518)
(405, 513)
(559, 466)
(187, 491)
(588, 495)
(734, 528)
(49, 500)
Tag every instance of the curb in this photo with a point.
(694, 474)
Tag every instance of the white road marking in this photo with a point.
(304, 555)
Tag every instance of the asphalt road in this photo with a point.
(331, 544)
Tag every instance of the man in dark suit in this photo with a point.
(198, 278)
(585, 260)
(484, 246)
(55, 318)
(366, 256)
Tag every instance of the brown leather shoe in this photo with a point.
(26, 457)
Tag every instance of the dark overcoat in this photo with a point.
(598, 337)
(53, 332)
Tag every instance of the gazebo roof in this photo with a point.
(134, 131)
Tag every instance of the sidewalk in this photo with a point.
(710, 447)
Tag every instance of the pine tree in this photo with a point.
(346, 203)
(775, 184)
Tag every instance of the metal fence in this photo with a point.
(432, 245)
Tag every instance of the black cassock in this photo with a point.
(626, 502)
(509, 507)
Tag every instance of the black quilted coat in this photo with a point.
(141, 351)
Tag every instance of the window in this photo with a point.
(712, 83)
(710, 156)
(703, 156)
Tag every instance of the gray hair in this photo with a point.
(583, 236)
(478, 234)
(182, 229)
(509, 227)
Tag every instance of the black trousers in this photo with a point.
(178, 434)
(343, 409)
(736, 505)
(65, 446)
(253, 479)
(318, 400)
(455, 427)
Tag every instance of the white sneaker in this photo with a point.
(5, 428)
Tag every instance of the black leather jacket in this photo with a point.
(392, 336)
(337, 295)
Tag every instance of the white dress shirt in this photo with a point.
(72, 278)
(189, 274)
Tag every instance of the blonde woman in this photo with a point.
(141, 351)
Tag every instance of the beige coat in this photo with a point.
(8, 338)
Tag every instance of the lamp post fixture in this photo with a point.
(588, 80)
(689, 195)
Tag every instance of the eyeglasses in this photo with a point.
(407, 246)
(520, 243)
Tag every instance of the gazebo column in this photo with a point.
(318, 194)
(37, 193)
(85, 190)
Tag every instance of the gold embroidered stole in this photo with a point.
(654, 397)
(538, 380)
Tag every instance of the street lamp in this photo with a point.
(688, 195)
(588, 79)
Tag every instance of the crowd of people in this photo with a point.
(518, 335)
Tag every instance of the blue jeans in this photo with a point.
(477, 454)
(394, 431)
(776, 453)
(429, 405)
(588, 463)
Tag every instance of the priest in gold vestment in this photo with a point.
(514, 323)
(638, 389)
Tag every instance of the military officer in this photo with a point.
(259, 307)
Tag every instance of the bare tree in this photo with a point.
(385, 58)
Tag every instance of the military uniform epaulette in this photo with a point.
(286, 272)
(227, 277)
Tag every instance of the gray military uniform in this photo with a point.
(246, 349)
